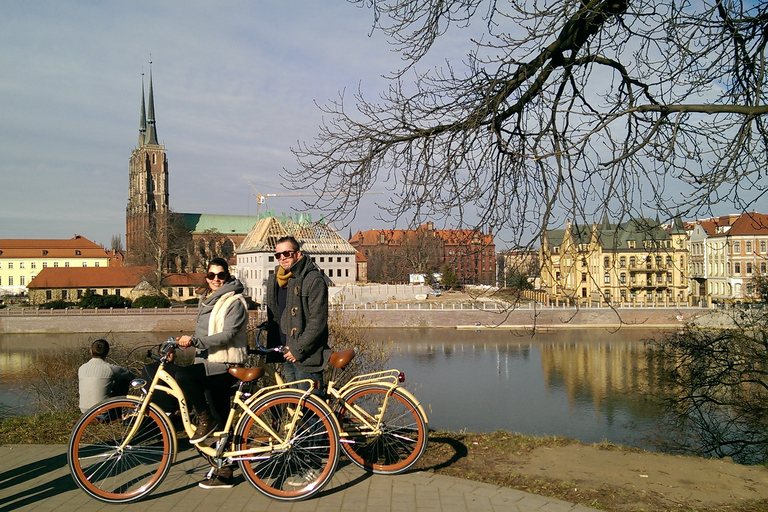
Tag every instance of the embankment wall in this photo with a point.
(457, 319)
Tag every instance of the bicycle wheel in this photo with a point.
(403, 436)
(107, 472)
(301, 470)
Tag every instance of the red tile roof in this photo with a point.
(400, 236)
(51, 248)
(105, 277)
(750, 224)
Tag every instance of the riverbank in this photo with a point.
(408, 315)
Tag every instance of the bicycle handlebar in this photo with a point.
(261, 348)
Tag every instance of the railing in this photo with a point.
(96, 312)
(496, 306)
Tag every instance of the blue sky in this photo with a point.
(234, 83)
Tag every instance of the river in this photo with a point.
(588, 384)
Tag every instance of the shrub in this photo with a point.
(152, 301)
(90, 301)
(57, 304)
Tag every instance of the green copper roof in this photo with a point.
(200, 223)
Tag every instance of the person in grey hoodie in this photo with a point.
(220, 342)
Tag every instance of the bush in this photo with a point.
(57, 304)
(91, 301)
(152, 301)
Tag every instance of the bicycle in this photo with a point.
(384, 428)
(285, 440)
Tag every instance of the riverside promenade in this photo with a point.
(36, 478)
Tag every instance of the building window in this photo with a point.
(66, 264)
(77, 253)
(346, 260)
(748, 247)
(21, 264)
(96, 264)
(181, 292)
(33, 264)
(105, 292)
(10, 264)
(271, 259)
(583, 277)
(623, 277)
(607, 278)
(583, 262)
(191, 291)
(64, 295)
(45, 264)
(85, 263)
(736, 247)
(584, 292)
(736, 268)
(22, 280)
(338, 272)
(606, 262)
(79, 294)
(623, 262)
(117, 291)
(762, 246)
(631, 262)
(10, 280)
(170, 292)
(346, 272)
(749, 269)
(48, 295)
(322, 259)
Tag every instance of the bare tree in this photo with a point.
(561, 110)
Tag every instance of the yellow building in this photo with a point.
(638, 262)
(22, 259)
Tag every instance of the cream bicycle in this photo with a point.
(383, 426)
(285, 440)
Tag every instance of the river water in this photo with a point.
(587, 384)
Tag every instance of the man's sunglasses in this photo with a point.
(284, 254)
(213, 275)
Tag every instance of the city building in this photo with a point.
(256, 261)
(70, 283)
(639, 261)
(728, 253)
(22, 259)
(148, 216)
(393, 254)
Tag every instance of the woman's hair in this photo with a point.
(219, 262)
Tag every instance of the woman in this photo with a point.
(220, 342)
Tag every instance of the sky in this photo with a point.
(235, 86)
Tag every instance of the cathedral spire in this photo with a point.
(151, 136)
(143, 120)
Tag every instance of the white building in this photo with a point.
(322, 244)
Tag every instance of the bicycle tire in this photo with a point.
(315, 446)
(403, 436)
(109, 474)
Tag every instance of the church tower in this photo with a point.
(147, 182)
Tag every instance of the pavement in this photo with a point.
(37, 478)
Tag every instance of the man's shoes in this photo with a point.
(217, 482)
(205, 425)
(303, 479)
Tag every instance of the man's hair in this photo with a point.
(100, 348)
(295, 243)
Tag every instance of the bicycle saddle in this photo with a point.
(340, 359)
(246, 374)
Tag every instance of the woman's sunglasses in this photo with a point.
(213, 275)
(284, 254)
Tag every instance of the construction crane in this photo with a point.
(262, 198)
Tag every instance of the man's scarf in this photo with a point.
(283, 276)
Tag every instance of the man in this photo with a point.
(297, 312)
(98, 379)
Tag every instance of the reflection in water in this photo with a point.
(587, 384)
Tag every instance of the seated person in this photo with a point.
(165, 401)
(98, 379)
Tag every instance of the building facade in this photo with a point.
(397, 253)
(21, 260)
(639, 261)
(70, 284)
(728, 254)
(322, 244)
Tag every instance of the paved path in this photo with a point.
(36, 478)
